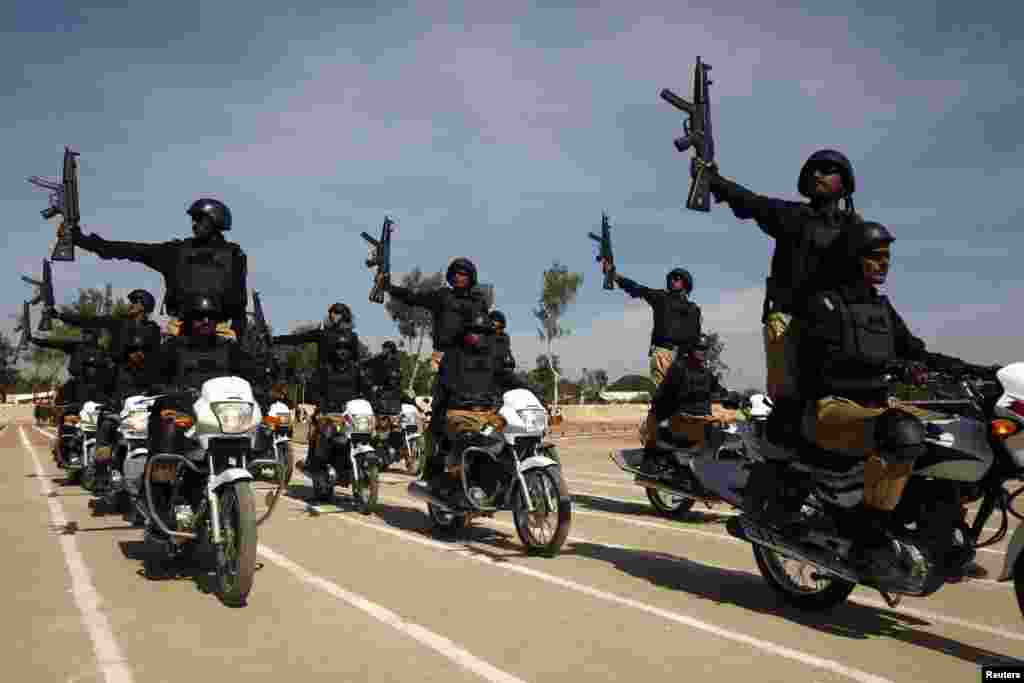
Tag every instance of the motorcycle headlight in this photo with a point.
(536, 420)
(235, 417)
(137, 421)
(363, 424)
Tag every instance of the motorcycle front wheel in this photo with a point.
(236, 561)
(544, 530)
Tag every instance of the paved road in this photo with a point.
(344, 597)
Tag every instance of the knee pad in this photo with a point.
(899, 435)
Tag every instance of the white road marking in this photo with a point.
(108, 654)
(757, 643)
(438, 643)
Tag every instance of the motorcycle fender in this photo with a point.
(1013, 554)
(535, 461)
(230, 476)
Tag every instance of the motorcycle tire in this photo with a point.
(236, 567)
(366, 489)
(667, 507)
(834, 593)
(545, 485)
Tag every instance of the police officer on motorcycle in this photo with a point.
(91, 377)
(450, 307)
(850, 337)
(473, 384)
(802, 234)
(384, 374)
(204, 264)
(339, 375)
(676, 335)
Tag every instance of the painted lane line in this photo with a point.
(921, 614)
(735, 636)
(438, 643)
(111, 661)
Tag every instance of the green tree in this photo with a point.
(414, 323)
(558, 292)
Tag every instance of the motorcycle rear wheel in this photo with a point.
(236, 566)
(669, 505)
(832, 591)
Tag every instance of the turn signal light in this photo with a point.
(183, 421)
(271, 421)
(71, 419)
(1002, 429)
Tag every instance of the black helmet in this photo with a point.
(680, 273)
(852, 243)
(389, 347)
(343, 312)
(143, 297)
(461, 263)
(497, 316)
(218, 212)
(825, 157)
(205, 305)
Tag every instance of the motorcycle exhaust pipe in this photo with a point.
(420, 491)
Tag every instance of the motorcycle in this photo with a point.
(682, 440)
(969, 458)
(351, 460)
(129, 453)
(274, 437)
(506, 465)
(70, 436)
(88, 424)
(196, 489)
(401, 439)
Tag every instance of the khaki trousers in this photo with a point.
(781, 336)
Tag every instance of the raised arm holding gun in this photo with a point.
(697, 135)
(63, 201)
(605, 256)
(44, 296)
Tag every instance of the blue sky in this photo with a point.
(501, 131)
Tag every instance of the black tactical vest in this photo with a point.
(197, 364)
(451, 321)
(471, 374)
(868, 332)
(213, 270)
(136, 335)
(677, 323)
(786, 292)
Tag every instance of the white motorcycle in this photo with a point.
(507, 465)
(130, 445)
(969, 458)
(351, 459)
(88, 425)
(274, 441)
(196, 487)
